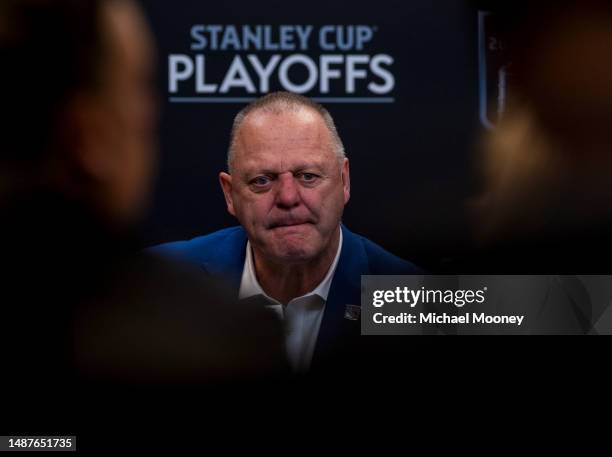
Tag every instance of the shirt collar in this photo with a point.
(249, 286)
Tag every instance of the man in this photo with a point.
(79, 301)
(287, 185)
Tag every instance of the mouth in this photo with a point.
(288, 224)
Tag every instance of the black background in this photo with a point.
(411, 161)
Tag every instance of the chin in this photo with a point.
(294, 253)
(293, 245)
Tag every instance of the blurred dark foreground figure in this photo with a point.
(88, 321)
(546, 167)
(546, 203)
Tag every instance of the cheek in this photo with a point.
(138, 158)
(138, 162)
(136, 175)
(325, 203)
(252, 209)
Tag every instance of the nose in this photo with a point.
(287, 194)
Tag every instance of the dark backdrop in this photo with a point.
(411, 160)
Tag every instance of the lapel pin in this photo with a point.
(352, 312)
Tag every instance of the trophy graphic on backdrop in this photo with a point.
(494, 69)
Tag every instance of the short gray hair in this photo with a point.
(278, 103)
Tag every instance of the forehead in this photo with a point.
(286, 137)
(128, 37)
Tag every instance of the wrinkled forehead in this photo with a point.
(283, 139)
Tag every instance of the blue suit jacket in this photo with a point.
(222, 254)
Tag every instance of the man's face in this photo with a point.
(119, 117)
(287, 187)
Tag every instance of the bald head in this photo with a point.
(273, 108)
(288, 180)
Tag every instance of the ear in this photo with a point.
(346, 180)
(225, 180)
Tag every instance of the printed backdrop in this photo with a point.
(403, 80)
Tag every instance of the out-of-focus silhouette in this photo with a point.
(81, 306)
(546, 202)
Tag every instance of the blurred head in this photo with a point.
(79, 112)
(561, 66)
(288, 178)
(546, 166)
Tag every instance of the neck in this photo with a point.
(285, 282)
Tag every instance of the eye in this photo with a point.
(308, 177)
(260, 182)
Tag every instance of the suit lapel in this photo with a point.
(226, 262)
(345, 289)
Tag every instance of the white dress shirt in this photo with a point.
(302, 315)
